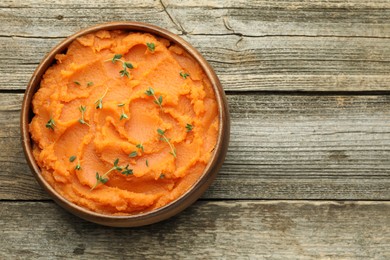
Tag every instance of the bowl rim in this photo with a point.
(158, 214)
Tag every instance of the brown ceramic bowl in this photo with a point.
(174, 207)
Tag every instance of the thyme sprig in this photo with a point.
(165, 139)
(82, 110)
(99, 179)
(150, 92)
(72, 159)
(103, 178)
(50, 124)
(125, 65)
(126, 171)
(99, 102)
(123, 115)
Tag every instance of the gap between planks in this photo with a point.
(270, 92)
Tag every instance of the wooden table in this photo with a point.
(307, 174)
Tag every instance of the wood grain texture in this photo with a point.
(246, 64)
(282, 147)
(356, 18)
(295, 141)
(218, 230)
(253, 45)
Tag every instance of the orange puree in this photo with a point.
(90, 115)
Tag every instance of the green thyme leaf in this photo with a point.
(151, 46)
(140, 146)
(89, 84)
(116, 57)
(72, 158)
(116, 162)
(189, 127)
(50, 124)
(159, 100)
(149, 92)
(128, 65)
(184, 75)
(133, 154)
(101, 179)
(124, 72)
(99, 104)
(123, 116)
(77, 83)
(127, 171)
(116, 166)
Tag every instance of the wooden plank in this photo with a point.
(232, 230)
(60, 18)
(357, 18)
(249, 64)
(282, 147)
(255, 45)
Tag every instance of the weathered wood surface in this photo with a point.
(352, 18)
(207, 230)
(308, 87)
(282, 147)
(253, 45)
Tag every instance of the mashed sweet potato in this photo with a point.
(123, 122)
